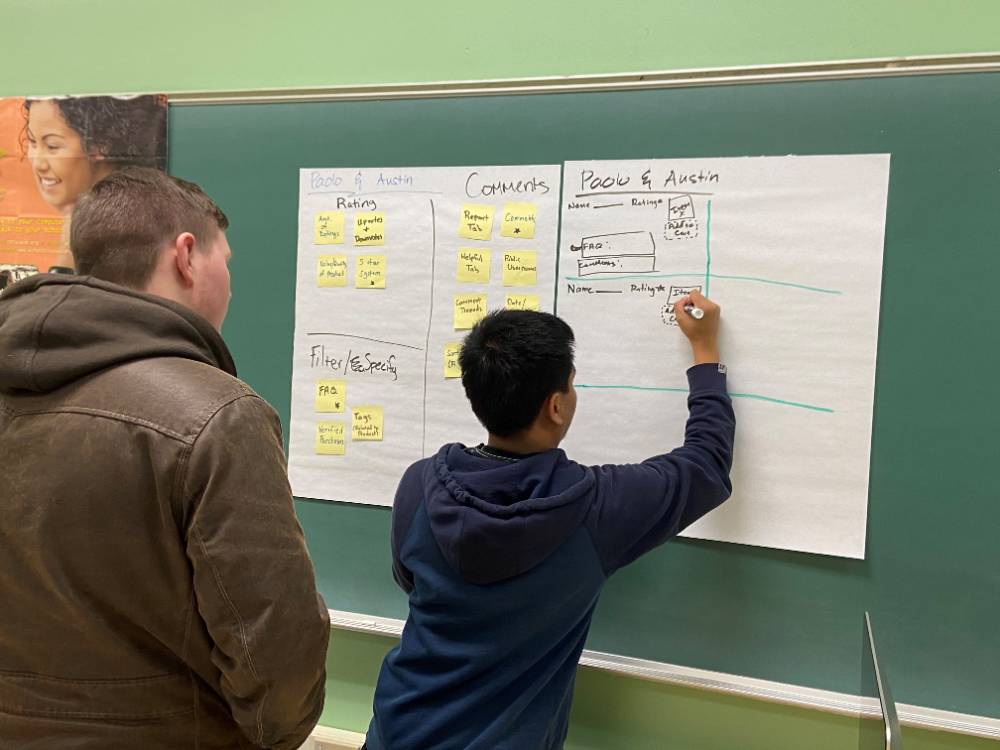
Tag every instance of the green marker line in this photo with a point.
(783, 402)
(779, 283)
(754, 396)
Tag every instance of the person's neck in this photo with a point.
(161, 285)
(529, 441)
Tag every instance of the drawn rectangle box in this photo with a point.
(625, 243)
(627, 264)
(681, 207)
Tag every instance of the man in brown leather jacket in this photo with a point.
(155, 589)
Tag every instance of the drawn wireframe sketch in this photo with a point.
(624, 252)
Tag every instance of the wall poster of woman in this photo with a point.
(52, 150)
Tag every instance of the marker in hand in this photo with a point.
(695, 312)
(698, 318)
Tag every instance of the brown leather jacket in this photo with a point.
(155, 589)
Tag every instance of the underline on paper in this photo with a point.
(366, 338)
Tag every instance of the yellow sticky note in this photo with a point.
(523, 302)
(474, 265)
(369, 228)
(520, 268)
(330, 395)
(366, 423)
(518, 220)
(451, 368)
(475, 222)
(329, 229)
(330, 438)
(469, 308)
(331, 270)
(369, 272)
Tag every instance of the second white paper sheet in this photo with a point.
(791, 248)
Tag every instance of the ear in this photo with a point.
(183, 249)
(554, 408)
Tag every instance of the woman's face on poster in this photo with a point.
(63, 169)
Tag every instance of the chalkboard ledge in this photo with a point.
(721, 682)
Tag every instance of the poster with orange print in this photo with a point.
(52, 150)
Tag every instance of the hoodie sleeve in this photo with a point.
(404, 507)
(639, 506)
(254, 582)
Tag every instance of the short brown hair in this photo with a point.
(120, 226)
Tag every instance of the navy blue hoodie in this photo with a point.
(504, 559)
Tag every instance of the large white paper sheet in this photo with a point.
(369, 388)
(791, 247)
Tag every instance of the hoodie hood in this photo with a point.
(493, 519)
(56, 329)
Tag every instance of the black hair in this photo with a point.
(512, 360)
(125, 131)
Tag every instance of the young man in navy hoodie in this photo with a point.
(503, 548)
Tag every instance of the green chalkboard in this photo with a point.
(932, 574)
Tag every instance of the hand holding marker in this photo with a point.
(698, 318)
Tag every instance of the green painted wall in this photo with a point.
(100, 46)
(95, 46)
